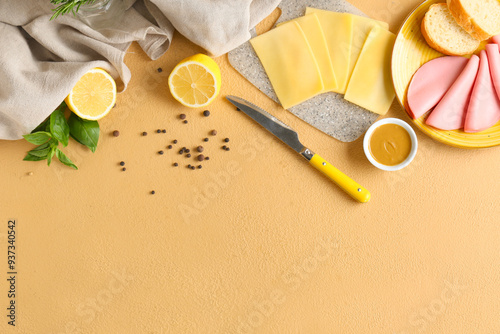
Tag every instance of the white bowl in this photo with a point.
(404, 125)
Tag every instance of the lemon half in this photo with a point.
(195, 81)
(93, 96)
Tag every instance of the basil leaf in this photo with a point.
(83, 131)
(41, 151)
(64, 159)
(51, 154)
(30, 157)
(38, 138)
(44, 126)
(58, 125)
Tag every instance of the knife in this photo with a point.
(288, 136)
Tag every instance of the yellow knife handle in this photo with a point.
(343, 181)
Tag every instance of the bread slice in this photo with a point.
(443, 33)
(480, 18)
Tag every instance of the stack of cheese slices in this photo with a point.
(325, 51)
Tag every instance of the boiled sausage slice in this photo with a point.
(484, 106)
(431, 82)
(449, 114)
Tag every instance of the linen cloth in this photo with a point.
(41, 60)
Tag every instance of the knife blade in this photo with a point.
(290, 137)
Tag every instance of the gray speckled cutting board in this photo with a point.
(327, 112)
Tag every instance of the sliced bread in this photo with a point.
(480, 18)
(443, 34)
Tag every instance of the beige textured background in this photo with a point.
(269, 245)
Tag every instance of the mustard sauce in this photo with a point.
(390, 144)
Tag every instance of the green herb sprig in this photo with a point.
(68, 6)
(55, 130)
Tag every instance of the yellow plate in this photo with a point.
(410, 52)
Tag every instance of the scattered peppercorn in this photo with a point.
(122, 163)
(181, 151)
(187, 150)
(206, 139)
(193, 167)
(201, 157)
(213, 133)
(227, 148)
(226, 140)
(176, 164)
(200, 166)
(116, 133)
(158, 131)
(169, 147)
(189, 166)
(160, 152)
(124, 169)
(206, 113)
(153, 192)
(207, 158)
(164, 131)
(224, 147)
(188, 155)
(182, 116)
(144, 133)
(185, 121)
(200, 148)
(159, 70)
(175, 141)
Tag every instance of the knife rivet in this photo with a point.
(359, 189)
(324, 163)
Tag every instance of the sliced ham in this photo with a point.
(431, 82)
(494, 62)
(484, 106)
(496, 39)
(449, 114)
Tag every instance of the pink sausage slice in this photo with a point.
(449, 114)
(496, 39)
(431, 82)
(484, 106)
(494, 62)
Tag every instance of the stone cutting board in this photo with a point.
(327, 112)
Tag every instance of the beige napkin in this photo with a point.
(41, 60)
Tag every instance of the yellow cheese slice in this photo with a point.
(361, 28)
(289, 63)
(314, 34)
(338, 29)
(371, 85)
